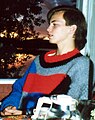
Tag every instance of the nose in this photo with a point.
(49, 28)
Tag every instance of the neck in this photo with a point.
(64, 49)
(65, 46)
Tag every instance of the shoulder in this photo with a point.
(82, 60)
(81, 63)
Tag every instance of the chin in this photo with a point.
(52, 41)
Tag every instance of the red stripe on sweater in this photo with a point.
(42, 84)
(56, 58)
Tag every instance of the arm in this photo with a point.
(14, 98)
(79, 74)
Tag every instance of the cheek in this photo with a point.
(62, 34)
(58, 32)
(58, 37)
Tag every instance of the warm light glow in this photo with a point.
(3, 34)
(20, 58)
(29, 38)
(46, 38)
(13, 34)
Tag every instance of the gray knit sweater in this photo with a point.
(76, 67)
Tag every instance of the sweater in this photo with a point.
(51, 74)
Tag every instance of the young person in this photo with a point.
(61, 71)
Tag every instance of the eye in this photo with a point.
(54, 24)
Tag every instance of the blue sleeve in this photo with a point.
(15, 96)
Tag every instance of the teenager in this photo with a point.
(61, 71)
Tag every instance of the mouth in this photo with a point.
(50, 36)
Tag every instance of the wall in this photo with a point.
(5, 87)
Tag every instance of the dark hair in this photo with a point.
(73, 16)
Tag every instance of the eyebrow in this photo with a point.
(55, 21)
(52, 21)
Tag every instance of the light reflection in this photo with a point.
(3, 34)
(20, 65)
(13, 34)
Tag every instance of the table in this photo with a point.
(85, 107)
(16, 117)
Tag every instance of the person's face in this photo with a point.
(57, 29)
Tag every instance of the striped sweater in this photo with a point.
(48, 74)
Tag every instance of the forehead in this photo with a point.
(57, 16)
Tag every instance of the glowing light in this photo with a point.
(3, 34)
(46, 38)
(13, 34)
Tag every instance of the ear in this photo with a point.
(73, 29)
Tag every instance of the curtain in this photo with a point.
(88, 9)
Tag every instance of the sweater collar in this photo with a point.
(50, 57)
